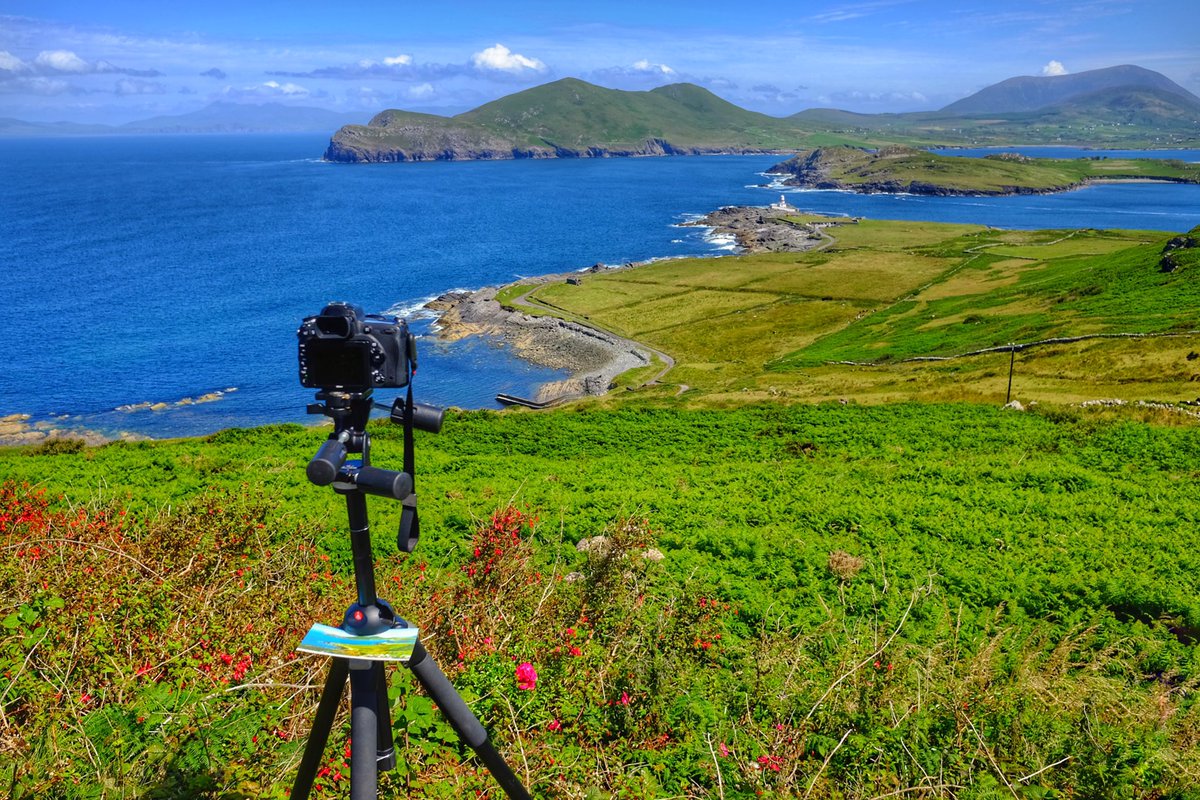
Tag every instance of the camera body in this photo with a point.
(343, 349)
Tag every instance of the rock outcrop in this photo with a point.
(762, 230)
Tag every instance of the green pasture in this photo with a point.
(850, 600)
(842, 321)
(999, 173)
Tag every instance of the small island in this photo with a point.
(898, 169)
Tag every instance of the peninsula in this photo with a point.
(899, 169)
(570, 118)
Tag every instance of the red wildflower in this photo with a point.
(773, 763)
(526, 676)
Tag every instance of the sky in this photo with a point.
(115, 61)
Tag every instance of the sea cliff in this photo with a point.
(358, 144)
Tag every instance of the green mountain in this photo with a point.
(571, 118)
(1119, 106)
(1028, 93)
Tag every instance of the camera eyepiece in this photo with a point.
(344, 349)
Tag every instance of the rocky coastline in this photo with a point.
(357, 145)
(595, 357)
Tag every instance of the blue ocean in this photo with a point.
(154, 285)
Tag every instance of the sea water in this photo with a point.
(154, 284)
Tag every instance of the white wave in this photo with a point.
(722, 241)
(415, 309)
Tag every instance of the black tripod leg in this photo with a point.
(331, 695)
(465, 723)
(364, 730)
(385, 743)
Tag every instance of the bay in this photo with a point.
(140, 274)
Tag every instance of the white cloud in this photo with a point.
(421, 91)
(269, 89)
(1054, 68)
(43, 87)
(401, 60)
(130, 86)
(499, 58)
(62, 61)
(11, 63)
(911, 100)
(658, 69)
(287, 89)
(55, 63)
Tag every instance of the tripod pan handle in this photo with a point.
(325, 465)
(384, 482)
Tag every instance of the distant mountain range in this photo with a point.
(216, 118)
(570, 118)
(1118, 106)
(1033, 94)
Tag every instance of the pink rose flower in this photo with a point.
(526, 676)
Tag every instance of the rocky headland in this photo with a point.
(894, 170)
(907, 170)
(570, 118)
(764, 230)
(358, 144)
(595, 357)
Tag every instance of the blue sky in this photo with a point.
(117, 60)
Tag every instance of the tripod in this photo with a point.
(372, 748)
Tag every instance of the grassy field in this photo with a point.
(851, 601)
(783, 325)
(1001, 173)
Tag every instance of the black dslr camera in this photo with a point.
(344, 349)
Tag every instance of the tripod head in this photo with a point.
(347, 355)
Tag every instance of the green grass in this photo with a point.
(860, 596)
(1060, 289)
(904, 167)
(751, 327)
